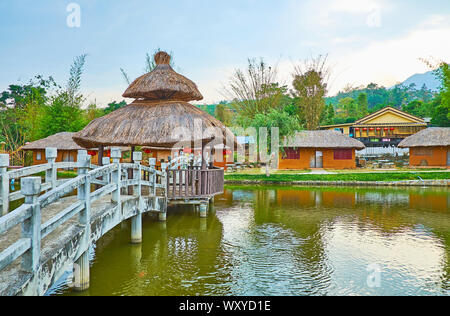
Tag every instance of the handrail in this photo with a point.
(24, 172)
(15, 217)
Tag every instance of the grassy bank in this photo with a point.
(379, 176)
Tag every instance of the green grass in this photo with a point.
(379, 176)
(61, 174)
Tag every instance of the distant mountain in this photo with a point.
(428, 78)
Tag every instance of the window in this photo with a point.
(38, 155)
(423, 151)
(343, 154)
(291, 153)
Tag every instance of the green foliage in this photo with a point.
(378, 96)
(61, 117)
(223, 113)
(441, 115)
(114, 106)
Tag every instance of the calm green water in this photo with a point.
(286, 241)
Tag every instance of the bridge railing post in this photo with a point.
(81, 265)
(4, 184)
(137, 173)
(152, 164)
(136, 221)
(116, 155)
(84, 191)
(162, 216)
(106, 161)
(51, 174)
(30, 187)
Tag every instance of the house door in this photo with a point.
(316, 160)
(319, 159)
(448, 157)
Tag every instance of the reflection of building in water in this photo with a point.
(316, 197)
(433, 201)
(382, 197)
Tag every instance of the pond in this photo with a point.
(285, 241)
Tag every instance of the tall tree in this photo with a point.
(64, 114)
(254, 90)
(310, 87)
(363, 105)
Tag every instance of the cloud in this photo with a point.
(392, 61)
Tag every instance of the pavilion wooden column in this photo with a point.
(100, 155)
(130, 172)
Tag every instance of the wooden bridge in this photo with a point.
(59, 220)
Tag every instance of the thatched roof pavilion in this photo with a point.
(60, 141)
(160, 109)
(430, 137)
(322, 139)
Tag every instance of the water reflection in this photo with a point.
(286, 241)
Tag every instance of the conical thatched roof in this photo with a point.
(163, 83)
(322, 139)
(433, 136)
(157, 116)
(60, 141)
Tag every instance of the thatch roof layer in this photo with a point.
(163, 83)
(60, 141)
(322, 139)
(150, 123)
(433, 136)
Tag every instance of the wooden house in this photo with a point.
(319, 149)
(429, 148)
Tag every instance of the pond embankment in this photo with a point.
(439, 179)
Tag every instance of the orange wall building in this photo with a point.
(319, 149)
(67, 149)
(429, 148)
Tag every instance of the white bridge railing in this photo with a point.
(113, 178)
(23, 232)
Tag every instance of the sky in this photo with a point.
(366, 41)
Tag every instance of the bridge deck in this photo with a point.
(12, 278)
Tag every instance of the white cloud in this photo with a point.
(392, 61)
(354, 6)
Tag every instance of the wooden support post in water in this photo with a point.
(81, 266)
(4, 184)
(136, 221)
(116, 175)
(31, 228)
(51, 174)
(203, 210)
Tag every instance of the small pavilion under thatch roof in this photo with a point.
(159, 117)
(319, 149)
(430, 147)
